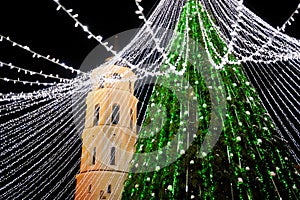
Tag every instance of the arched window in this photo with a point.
(115, 117)
(131, 118)
(109, 189)
(116, 76)
(102, 195)
(96, 115)
(130, 86)
(113, 156)
(101, 82)
(90, 188)
(94, 156)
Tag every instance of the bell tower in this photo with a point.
(109, 134)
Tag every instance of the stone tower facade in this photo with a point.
(109, 135)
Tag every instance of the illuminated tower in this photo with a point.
(109, 134)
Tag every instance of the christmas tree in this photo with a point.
(248, 160)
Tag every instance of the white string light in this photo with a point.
(37, 55)
(30, 72)
(85, 28)
(290, 20)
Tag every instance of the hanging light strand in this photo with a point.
(37, 55)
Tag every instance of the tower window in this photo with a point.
(102, 195)
(96, 115)
(131, 118)
(130, 86)
(115, 117)
(90, 188)
(101, 82)
(113, 156)
(94, 156)
(116, 76)
(109, 189)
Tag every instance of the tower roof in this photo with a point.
(111, 73)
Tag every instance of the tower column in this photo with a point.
(109, 135)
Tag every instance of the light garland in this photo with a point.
(85, 28)
(30, 72)
(290, 20)
(37, 55)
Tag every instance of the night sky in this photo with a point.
(37, 24)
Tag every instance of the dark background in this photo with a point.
(37, 24)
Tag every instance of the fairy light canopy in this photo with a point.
(38, 138)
